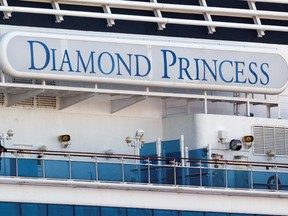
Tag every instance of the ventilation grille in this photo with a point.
(45, 102)
(1, 99)
(270, 139)
(30, 81)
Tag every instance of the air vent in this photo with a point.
(270, 139)
(1, 99)
(26, 103)
(46, 102)
(24, 81)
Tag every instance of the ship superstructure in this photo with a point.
(121, 107)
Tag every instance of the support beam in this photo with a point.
(107, 10)
(65, 102)
(55, 5)
(7, 15)
(157, 13)
(13, 99)
(117, 105)
(207, 17)
(256, 19)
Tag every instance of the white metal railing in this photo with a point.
(145, 170)
(158, 17)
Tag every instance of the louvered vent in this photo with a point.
(280, 141)
(1, 99)
(258, 140)
(26, 103)
(270, 138)
(21, 80)
(46, 102)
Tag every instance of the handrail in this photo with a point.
(137, 171)
(143, 158)
(161, 7)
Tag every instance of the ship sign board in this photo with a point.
(143, 62)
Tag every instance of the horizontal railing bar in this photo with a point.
(177, 8)
(150, 158)
(144, 18)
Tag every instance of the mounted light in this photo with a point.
(128, 140)
(64, 138)
(247, 139)
(43, 148)
(10, 133)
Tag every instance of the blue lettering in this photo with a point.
(166, 65)
(47, 55)
(184, 69)
(90, 60)
(221, 71)
(253, 73)
(213, 73)
(238, 71)
(265, 73)
(100, 64)
(138, 65)
(120, 59)
(53, 60)
(66, 60)
(197, 69)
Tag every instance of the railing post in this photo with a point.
(17, 166)
(251, 177)
(200, 173)
(122, 169)
(226, 175)
(43, 166)
(277, 178)
(149, 174)
(175, 176)
(70, 167)
(96, 169)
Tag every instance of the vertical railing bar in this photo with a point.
(226, 175)
(149, 174)
(200, 173)
(123, 171)
(17, 165)
(70, 167)
(277, 178)
(251, 177)
(175, 182)
(43, 166)
(96, 169)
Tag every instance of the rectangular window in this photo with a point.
(60, 210)
(28, 209)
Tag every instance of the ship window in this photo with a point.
(267, 138)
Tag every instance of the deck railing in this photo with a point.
(159, 13)
(144, 170)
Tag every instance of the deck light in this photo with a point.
(137, 142)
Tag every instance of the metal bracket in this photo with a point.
(13, 99)
(119, 104)
(65, 102)
(55, 5)
(256, 19)
(207, 17)
(7, 15)
(110, 22)
(157, 13)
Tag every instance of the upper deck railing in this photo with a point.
(162, 13)
(168, 171)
